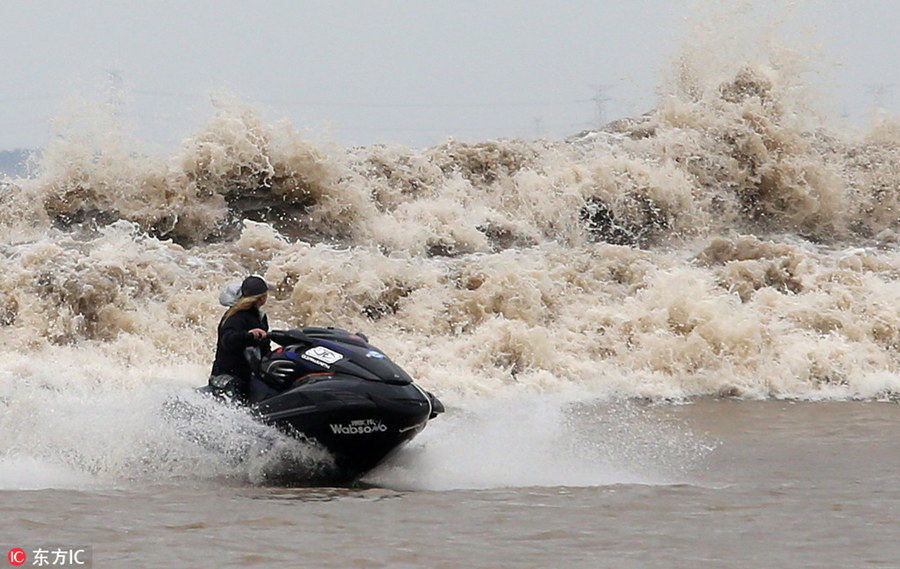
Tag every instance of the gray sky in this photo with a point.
(413, 72)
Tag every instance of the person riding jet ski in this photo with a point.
(243, 325)
(325, 386)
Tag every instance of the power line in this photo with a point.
(319, 103)
(357, 104)
(29, 98)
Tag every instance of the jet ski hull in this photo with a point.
(359, 422)
(335, 389)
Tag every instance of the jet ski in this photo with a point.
(333, 387)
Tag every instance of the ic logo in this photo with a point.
(16, 556)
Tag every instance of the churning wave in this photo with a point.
(728, 242)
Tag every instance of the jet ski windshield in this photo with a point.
(323, 351)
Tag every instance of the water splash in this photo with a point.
(547, 441)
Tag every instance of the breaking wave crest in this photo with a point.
(725, 243)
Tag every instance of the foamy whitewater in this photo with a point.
(728, 243)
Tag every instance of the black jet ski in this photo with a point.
(333, 387)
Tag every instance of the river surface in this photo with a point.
(775, 484)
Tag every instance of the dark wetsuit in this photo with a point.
(234, 338)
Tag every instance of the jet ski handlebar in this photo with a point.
(314, 335)
(287, 337)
